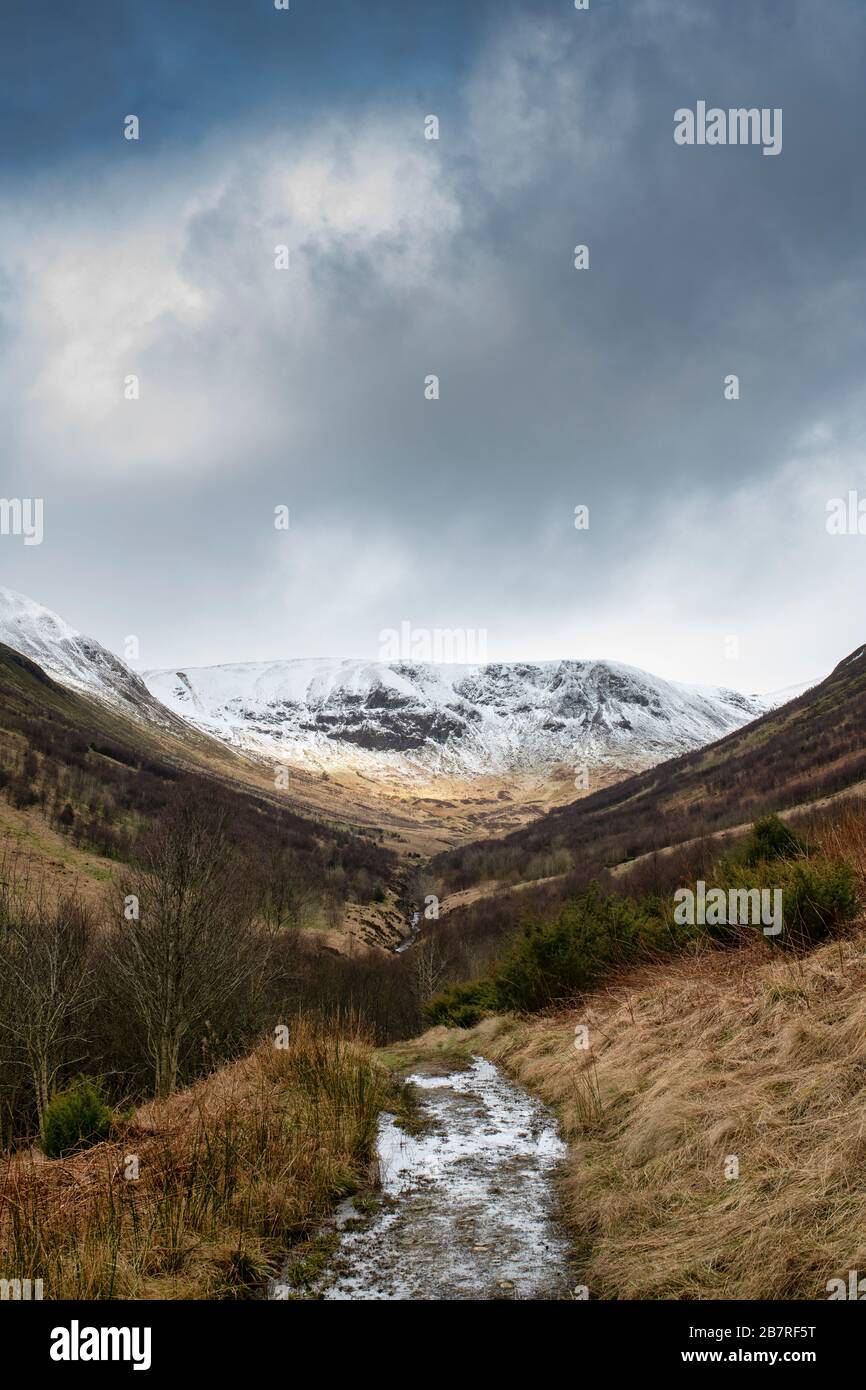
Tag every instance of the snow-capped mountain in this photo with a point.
(419, 719)
(73, 660)
(401, 720)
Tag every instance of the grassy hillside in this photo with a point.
(97, 780)
(245, 909)
(691, 1065)
(711, 1087)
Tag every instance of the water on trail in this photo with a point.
(469, 1206)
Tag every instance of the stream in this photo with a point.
(468, 1206)
(414, 933)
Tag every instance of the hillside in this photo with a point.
(813, 746)
(711, 1093)
(82, 779)
(691, 1064)
(77, 662)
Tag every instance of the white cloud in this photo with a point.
(178, 287)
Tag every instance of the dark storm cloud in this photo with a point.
(453, 257)
(69, 69)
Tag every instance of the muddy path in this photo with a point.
(468, 1208)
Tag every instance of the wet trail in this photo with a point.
(469, 1207)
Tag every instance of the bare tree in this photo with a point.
(284, 896)
(183, 945)
(430, 963)
(46, 963)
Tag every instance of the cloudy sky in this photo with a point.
(408, 257)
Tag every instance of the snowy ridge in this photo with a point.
(73, 660)
(415, 718)
(402, 720)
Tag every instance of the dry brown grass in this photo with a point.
(843, 836)
(231, 1172)
(747, 1053)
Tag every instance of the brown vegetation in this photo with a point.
(741, 1054)
(201, 1195)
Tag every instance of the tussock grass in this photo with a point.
(231, 1173)
(692, 1062)
(747, 1052)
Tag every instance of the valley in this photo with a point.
(432, 685)
(308, 811)
(428, 756)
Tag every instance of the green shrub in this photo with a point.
(819, 896)
(462, 1006)
(553, 960)
(591, 934)
(75, 1118)
(772, 839)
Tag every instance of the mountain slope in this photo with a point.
(77, 662)
(811, 747)
(416, 720)
(76, 766)
(80, 664)
(428, 755)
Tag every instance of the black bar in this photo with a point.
(248, 1337)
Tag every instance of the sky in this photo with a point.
(707, 556)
